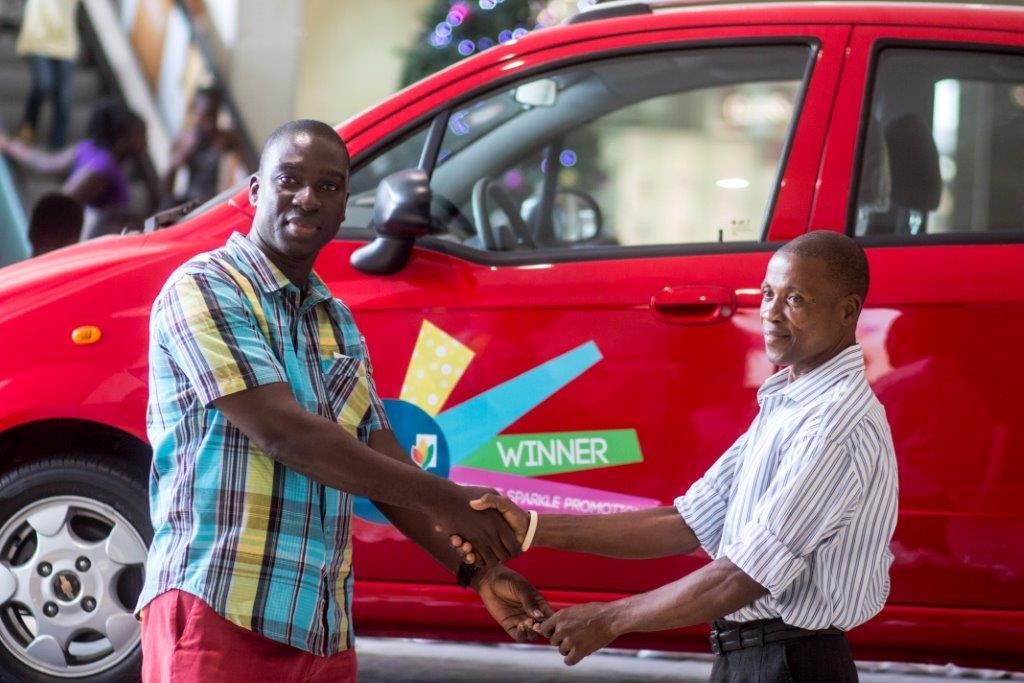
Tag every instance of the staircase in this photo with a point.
(14, 86)
(103, 70)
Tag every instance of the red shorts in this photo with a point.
(184, 640)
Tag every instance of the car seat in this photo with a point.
(915, 183)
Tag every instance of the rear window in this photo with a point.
(943, 147)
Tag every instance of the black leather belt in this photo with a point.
(729, 636)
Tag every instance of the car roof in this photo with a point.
(986, 15)
(669, 5)
(661, 14)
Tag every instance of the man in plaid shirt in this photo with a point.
(265, 421)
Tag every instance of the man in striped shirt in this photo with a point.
(797, 515)
(265, 421)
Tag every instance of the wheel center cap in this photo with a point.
(66, 586)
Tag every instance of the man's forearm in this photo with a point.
(640, 534)
(321, 450)
(713, 591)
(34, 159)
(344, 463)
(413, 524)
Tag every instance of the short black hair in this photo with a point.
(109, 121)
(845, 259)
(311, 126)
(56, 222)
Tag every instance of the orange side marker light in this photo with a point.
(87, 334)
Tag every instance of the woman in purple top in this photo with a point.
(95, 178)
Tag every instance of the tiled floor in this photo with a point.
(382, 659)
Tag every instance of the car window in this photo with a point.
(367, 174)
(941, 151)
(664, 148)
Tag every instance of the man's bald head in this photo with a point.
(317, 129)
(846, 263)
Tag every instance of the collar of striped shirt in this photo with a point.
(268, 276)
(811, 385)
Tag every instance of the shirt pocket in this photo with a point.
(348, 390)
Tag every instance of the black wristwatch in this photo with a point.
(465, 574)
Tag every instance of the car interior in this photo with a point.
(493, 189)
(468, 180)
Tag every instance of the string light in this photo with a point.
(457, 122)
(547, 13)
(514, 179)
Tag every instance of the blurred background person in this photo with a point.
(48, 39)
(10, 14)
(93, 168)
(198, 150)
(56, 222)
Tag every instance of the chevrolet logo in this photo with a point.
(66, 586)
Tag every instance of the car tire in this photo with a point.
(73, 539)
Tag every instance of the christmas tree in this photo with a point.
(455, 29)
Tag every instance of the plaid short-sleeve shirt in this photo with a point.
(266, 547)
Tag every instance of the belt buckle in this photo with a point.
(716, 642)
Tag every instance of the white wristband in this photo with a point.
(530, 531)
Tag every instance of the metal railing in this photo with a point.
(248, 150)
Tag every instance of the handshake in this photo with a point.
(511, 600)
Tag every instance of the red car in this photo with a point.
(561, 294)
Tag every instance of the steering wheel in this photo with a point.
(449, 219)
(485, 190)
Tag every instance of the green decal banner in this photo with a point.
(556, 452)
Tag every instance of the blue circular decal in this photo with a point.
(421, 438)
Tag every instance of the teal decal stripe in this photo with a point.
(470, 425)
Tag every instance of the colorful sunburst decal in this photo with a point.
(465, 443)
(437, 364)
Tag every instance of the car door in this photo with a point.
(932, 194)
(605, 358)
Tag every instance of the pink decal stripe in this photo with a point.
(550, 496)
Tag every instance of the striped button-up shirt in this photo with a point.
(805, 501)
(266, 547)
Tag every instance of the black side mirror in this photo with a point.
(401, 214)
